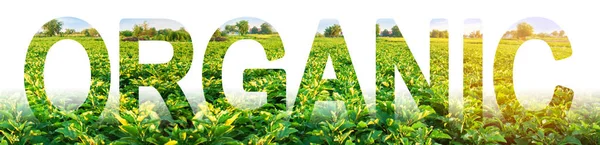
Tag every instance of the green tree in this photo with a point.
(230, 29)
(333, 31)
(183, 35)
(91, 32)
(319, 35)
(266, 28)
(396, 31)
(524, 30)
(145, 29)
(126, 33)
(85, 32)
(224, 33)
(242, 27)
(151, 32)
(216, 35)
(52, 27)
(164, 31)
(377, 30)
(254, 30)
(438, 33)
(137, 31)
(385, 33)
(69, 31)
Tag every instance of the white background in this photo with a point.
(297, 22)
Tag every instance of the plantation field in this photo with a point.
(218, 122)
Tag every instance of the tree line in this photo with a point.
(525, 30)
(145, 32)
(241, 28)
(394, 32)
(438, 33)
(474, 34)
(334, 30)
(54, 27)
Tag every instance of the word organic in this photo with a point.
(392, 55)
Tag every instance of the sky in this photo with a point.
(71, 23)
(326, 23)
(472, 25)
(252, 22)
(539, 25)
(386, 24)
(127, 24)
(440, 24)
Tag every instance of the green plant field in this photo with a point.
(218, 122)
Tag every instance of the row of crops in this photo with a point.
(218, 122)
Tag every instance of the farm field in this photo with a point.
(218, 122)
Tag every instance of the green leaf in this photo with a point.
(121, 120)
(171, 142)
(418, 125)
(497, 137)
(6, 115)
(132, 130)
(232, 119)
(3, 142)
(362, 124)
(221, 129)
(67, 133)
(437, 134)
(570, 140)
